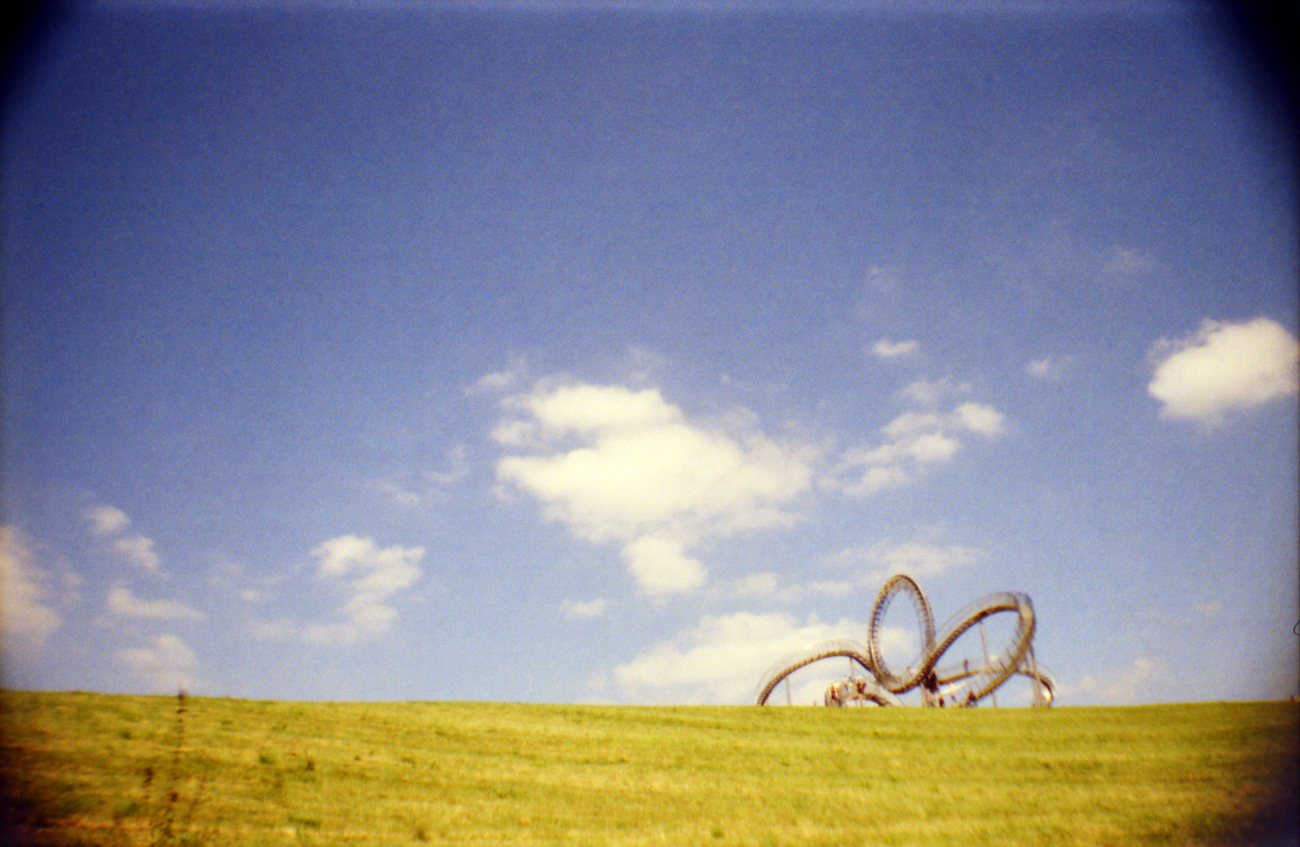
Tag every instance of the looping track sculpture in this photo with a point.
(963, 684)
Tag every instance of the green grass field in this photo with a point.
(116, 770)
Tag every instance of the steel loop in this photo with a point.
(960, 685)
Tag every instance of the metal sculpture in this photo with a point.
(959, 685)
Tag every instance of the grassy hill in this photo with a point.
(117, 770)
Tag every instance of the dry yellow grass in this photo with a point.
(112, 770)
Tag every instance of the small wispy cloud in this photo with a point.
(884, 279)
(1126, 262)
(1210, 609)
(139, 551)
(914, 441)
(1049, 368)
(584, 609)
(122, 603)
(930, 392)
(1139, 682)
(510, 378)
(419, 488)
(887, 348)
(111, 524)
(764, 584)
(166, 665)
(231, 577)
(775, 588)
(870, 564)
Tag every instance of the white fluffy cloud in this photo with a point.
(616, 464)
(165, 666)
(720, 660)
(122, 603)
(978, 418)
(1222, 368)
(25, 613)
(111, 523)
(372, 575)
(915, 440)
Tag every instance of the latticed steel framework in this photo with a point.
(959, 685)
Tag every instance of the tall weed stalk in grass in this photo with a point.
(163, 825)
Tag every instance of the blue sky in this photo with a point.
(572, 353)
